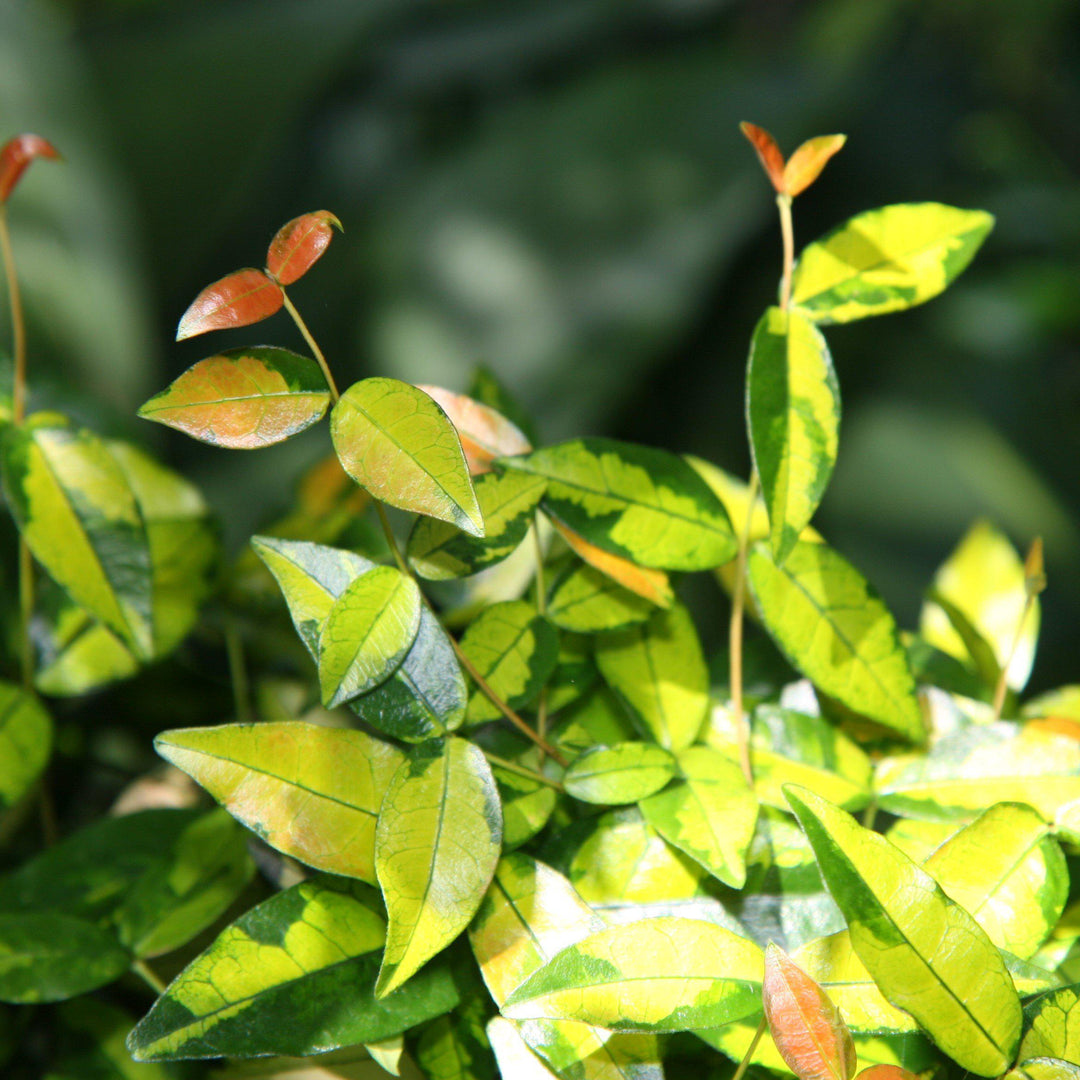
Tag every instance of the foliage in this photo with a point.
(520, 827)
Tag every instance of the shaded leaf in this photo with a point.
(623, 773)
(527, 805)
(486, 388)
(484, 432)
(652, 585)
(238, 299)
(584, 600)
(456, 1047)
(805, 164)
(299, 244)
(16, 154)
(94, 1047)
(1053, 1026)
(26, 736)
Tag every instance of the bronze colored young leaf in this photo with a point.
(772, 161)
(238, 299)
(806, 1026)
(243, 399)
(16, 154)
(485, 434)
(299, 244)
(653, 585)
(886, 1072)
(805, 165)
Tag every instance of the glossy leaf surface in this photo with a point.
(238, 299)
(793, 414)
(633, 501)
(927, 954)
(299, 244)
(837, 631)
(485, 433)
(1053, 1026)
(311, 792)
(650, 584)
(887, 260)
(436, 846)
(16, 154)
(623, 773)
(26, 736)
(395, 442)
(243, 399)
(585, 601)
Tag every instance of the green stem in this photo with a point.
(313, 345)
(735, 635)
(1002, 687)
(234, 647)
(870, 815)
(541, 597)
(148, 975)
(522, 770)
(745, 1063)
(391, 539)
(788, 234)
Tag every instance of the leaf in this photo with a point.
(658, 669)
(79, 516)
(623, 773)
(367, 633)
(772, 161)
(485, 433)
(93, 1045)
(927, 954)
(583, 600)
(513, 1054)
(887, 259)
(832, 626)
(709, 814)
(26, 737)
(805, 164)
(243, 399)
(436, 846)
(51, 956)
(666, 974)
(295, 975)
(16, 154)
(396, 442)
(652, 585)
(515, 649)
(238, 299)
(806, 1026)
(309, 791)
(299, 244)
(486, 388)
(455, 1047)
(439, 551)
(527, 805)
(793, 416)
(1053, 1026)
(636, 502)
(1041, 1069)
(1008, 871)
(887, 1072)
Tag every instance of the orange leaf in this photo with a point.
(651, 584)
(16, 154)
(772, 161)
(299, 244)
(1055, 725)
(485, 434)
(886, 1072)
(805, 165)
(806, 1026)
(240, 299)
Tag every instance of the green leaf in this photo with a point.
(886, 260)
(295, 975)
(52, 956)
(585, 601)
(456, 1047)
(311, 792)
(925, 952)
(243, 399)
(513, 1054)
(645, 505)
(623, 773)
(367, 633)
(709, 814)
(527, 805)
(666, 974)
(515, 649)
(1044, 1069)
(436, 846)
(94, 1047)
(26, 735)
(659, 671)
(439, 551)
(79, 516)
(793, 416)
(837, 631)
(1008, 871)
(1053, 1026)
(396, 442)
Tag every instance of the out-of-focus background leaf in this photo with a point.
(559, 189)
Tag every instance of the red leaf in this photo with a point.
(805, 165)
(886, 1072)
(16, 154)
(485, 434)
(806, 1026)
(772, 161)
(240, 299)
(299, 244)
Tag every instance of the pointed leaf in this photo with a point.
(397, 443)
(833, 627)
(772, 161)
(927, 954)
(793, 414)
(299, 244)
(652, 585)
(886, 260)
(633, 501)
(294, 976)
(238, 299)
(623, 773)
(436, 846)
(485, 434)
(311, 792)
(805, 165)
(1053, 1026)
(15, 155)
(26, 736)
(243, 399)
(585, 601)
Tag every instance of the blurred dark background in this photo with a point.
(558, 188)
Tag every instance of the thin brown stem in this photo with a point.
(735, 636)
(313, 346)
(745, 1063)
(1002, 687)
(522, 770)
(18, 325)
(788, 234)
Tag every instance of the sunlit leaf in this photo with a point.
(311, 792)
(436, 846)
(793, 416)
(513, 1054)
(623, 773)
(299, 244)
(238, 299)
(597, 718)
(652, 585)
(484, 432)
(805, 164)
(1037, 1069)
(295, 975)
(1053, 1026)
(887, 1072)
(887, 260)
(26, 736)
(244, 398)
(586, 601)
(772, 161)
(925, 952)
(918, 840)
(639, 503)
(527, 804)
(396, 442)
(833, 627)
(16, 154)
(1063, 701)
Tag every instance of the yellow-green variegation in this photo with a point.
(623, 773)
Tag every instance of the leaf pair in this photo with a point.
(794, 176)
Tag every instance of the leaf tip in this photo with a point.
(16, 154)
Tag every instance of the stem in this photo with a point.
(148, 975)
(312, 344)
(522, 770)
(788, 234)
(26, 611)
(234, 647)
(541, 597)
(870, 814)
(1002, 684)
(391, 540)
(735, 636)
(745, 1063)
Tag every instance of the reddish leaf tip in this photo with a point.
(772, 161)
(298, 244)
(16, 154)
